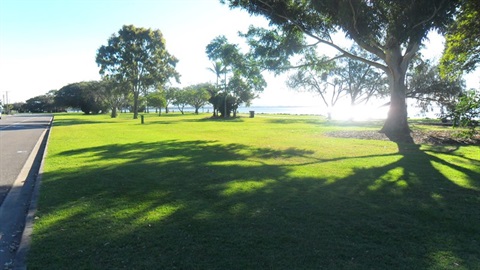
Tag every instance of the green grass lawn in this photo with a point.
(270, 192)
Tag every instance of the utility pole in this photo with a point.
(6, 94)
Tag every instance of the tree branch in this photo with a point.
(410, 52)
(435, 12)
(312, 64)
(362, 44)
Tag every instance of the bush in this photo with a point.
(465, 112)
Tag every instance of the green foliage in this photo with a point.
(18, 107)
(272, 48)
(137, 56)
(245, 74)
(88, 96)
(429, 88)
(215, 99)
(198, 95)
(116, 94)
(181, 99)
(170, 93)
(466, 111)
(39, 104)
(157, 99)
(223, 52)
(218, 69)
(462, 50)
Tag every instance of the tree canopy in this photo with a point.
(137, 56)
(244, 72)
(334, 80)
(198, 95)
(462, 50)
(88, 96)
(42, 103)
(391, 30)
(428, 88)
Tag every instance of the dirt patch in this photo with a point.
(432, 137)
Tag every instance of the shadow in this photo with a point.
(205, 205)
(187, 119)
(217, 119)
(294, 120)
(79, 121)
(18, 122)
(24, 126)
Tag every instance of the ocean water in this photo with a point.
(300, 110)
(358, 113)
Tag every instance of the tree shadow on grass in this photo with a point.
(78, 121)
(194, 120)
(204, 205)
(299, 120)
(217, 119)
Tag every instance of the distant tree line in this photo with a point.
(100, 97)
(136, 72)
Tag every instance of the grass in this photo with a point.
(270, 192)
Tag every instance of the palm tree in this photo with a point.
(218, 68)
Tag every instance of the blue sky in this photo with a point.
(47, 44)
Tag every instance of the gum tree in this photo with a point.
(137, 56)
(391, 30)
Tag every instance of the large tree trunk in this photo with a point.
(114, 112)
(135, 104)
(396, 125)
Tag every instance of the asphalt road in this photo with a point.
(18, 136)
(22, 143)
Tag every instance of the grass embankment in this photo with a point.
(272, 192)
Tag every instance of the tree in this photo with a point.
(393, 31)
(465, 111)
(139, 57)
(245, 73)
(198, 95)
(218, 69)
(462, 50)
(321, 81)
(215, 99)
(88, 96)
(170, 96)
(362, 81)
(42, 103)
(19, 107)
(116, 94)
(428, 88)
(343, 78)
(181, 100)
(157, 100)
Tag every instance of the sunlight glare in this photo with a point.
(359, 112)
